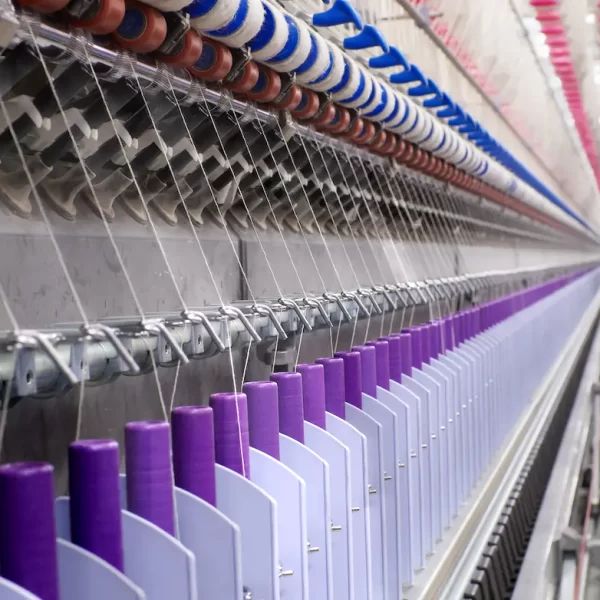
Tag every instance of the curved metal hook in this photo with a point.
(231, 312)
(108, 333)
(266, 311)
(371, 296)
(352, 296)
(338, 300)
(380, 289)
(316, 303)
(294, 306)
(43, 342)
(154, 325)
(193, 316)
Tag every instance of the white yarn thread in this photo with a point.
(388, 108)
(299, 55)
(351, 85)
(320, 65)
(411, 116)
(249, 28)
(427, 131)
(375, 102)
(366, 93)
(436, 136)
(220, 14)
(420, 130)
(280, 35)
(402, 108)
(337, 71)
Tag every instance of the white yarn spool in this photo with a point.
(402, 108)
(337, 71)
(375, 102)
(427, 130)
(409, 121)
(419, 129)
(351, 85)
(299, 55)
(249, 28)
(366, 93)
(220, 14)
(280, 35)
(390, 104)
(435, 139)
(321, 63)
(449, 146)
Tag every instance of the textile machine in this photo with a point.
(299, 300)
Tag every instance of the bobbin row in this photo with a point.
(44, 362)
(330, 72)
(337, 480)
(65, 184)
(286, 44)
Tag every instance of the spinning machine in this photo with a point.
(291, 308)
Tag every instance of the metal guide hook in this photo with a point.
(337, 298)
(316, 303)
(101, 331)
(266, 310)
(232, 312)
(194, 316)
(294, 306)
(158, 326)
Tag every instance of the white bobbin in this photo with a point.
(300, 53)
(280, 35)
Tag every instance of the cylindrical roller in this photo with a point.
(194, 451)
(313, 394)
(267, 87)
(187, 53)
(368, 362)
(308, 107)
(245, 80)
(232, 440)
(291, 99)
(415, 346)
(395, 357)
(143, 28)
(214, 63)
(105, 19)
(291, 404)
(352, 377)
(335, 386)
(435, 338)
(28, 538)
(324, 117)
(425, 343)
(406, 350)
(149, 473)
(263, 416)
(95, 499)
(382, 362)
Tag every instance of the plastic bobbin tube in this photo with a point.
(290, 100)
(95, 504)
(425, 331)
(263, 416)
(245, 80)
(407, 342)
(352, 377)
(368, 363)
(367, 135)
(308, 107)
(267, 87)
(335, 386)
(232, 439)
(194, 451)
(291, 404)
(28, 540)
(382, 364)
(149, 473)
(214, 63)
(105, 19)
(395, 357)
(187, 53)
(313, 393)
(142, 30)
(324, 116)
